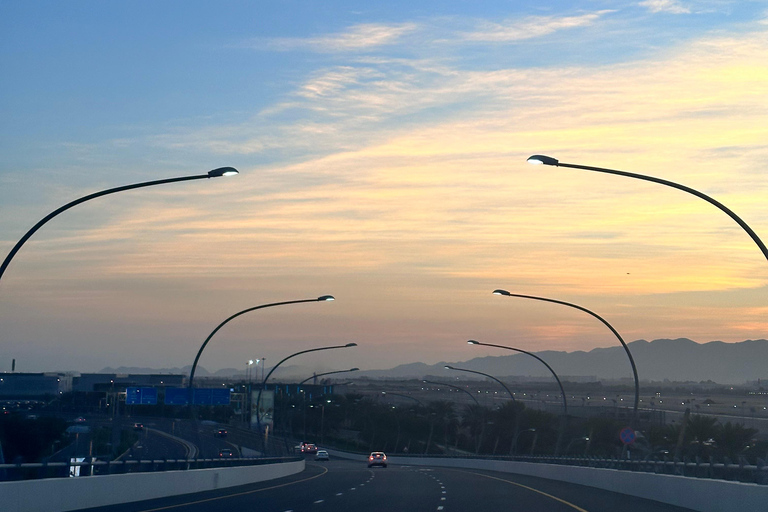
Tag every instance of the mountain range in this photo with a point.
(663, 359)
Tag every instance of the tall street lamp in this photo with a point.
(304, 395)
(327, 373)
(322, 298)
(447, 367)
(605, 322)
(264, 382)
(454, 387)
(562, 391)
(509, 392)
(548, 160)
(222, 171)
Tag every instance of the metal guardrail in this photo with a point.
(31, 471)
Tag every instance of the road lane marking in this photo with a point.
(318, 501)
(339, 493)
(440, 507)
(442, 499)
(325, 470)
(575, 507)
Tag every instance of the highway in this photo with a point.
(340, 485)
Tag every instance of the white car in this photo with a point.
(322, 455)
(377, 459)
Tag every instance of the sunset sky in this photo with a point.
(382, 154)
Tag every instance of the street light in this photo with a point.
(322, 298)
(548, 160)
(304, 395)
(562, 391)
(222, 171)
(605, 322)
(447, 367)
(455, 387)
(264, 382)
(327, 373)
(404, 396)
(518, 434)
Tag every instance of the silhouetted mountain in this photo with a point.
(676, 360)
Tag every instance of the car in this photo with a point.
(377, 459)
(80, 419)
(226, 453)
(309, 448)
(138, 426)
(322, 455)
(220, 432)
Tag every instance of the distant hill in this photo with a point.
(665, 359)
(676, 360)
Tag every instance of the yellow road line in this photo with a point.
(576, 507)
(325, 470)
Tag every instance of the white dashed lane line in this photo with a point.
(339, 493)
(318, 501)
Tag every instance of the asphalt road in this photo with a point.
(350, 486)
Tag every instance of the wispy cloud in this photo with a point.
(357, 38)
(670, 6)
(530, 27)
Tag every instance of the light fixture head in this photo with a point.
(448, 367)
(542, 159)
(222, 171)
(325, 298)
(353, 369)
(250, 362)
(473, 342)
(350, 345)
(501, 292)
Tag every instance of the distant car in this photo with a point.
(138, 426)
(377, 459)
(80, 419)
(226, 453)
(309, 448)
(220, 432)
(322, 455)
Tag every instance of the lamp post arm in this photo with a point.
(455, 387)
(222, 324)
(489, 376)
(562, 391)
(264, 382)
(323, 374)
(678, 186)
(605, 322)
(83, 199)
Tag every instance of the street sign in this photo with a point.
(141, 396)
(627, 435)
(176, 396)
(211, 396)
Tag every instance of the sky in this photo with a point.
(382, 154)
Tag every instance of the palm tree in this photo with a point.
(733, 438)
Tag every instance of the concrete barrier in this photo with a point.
(701, 494)
(62, 494)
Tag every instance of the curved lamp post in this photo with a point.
(264, 382)
(404, 396)
(322, 298)
(614, 331)
(222, 171)
(548, 160)
(562, 391)
(454, 387)
(304, 395)
(327, 373)
(484, 375)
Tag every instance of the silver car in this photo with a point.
(377, 459)
(322, 455)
